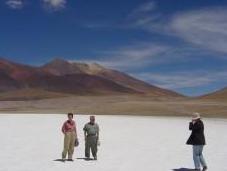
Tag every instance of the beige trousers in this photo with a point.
(69, 141)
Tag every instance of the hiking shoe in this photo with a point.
(95, 158)
(204, 168)
(70, 160)
(63, 160)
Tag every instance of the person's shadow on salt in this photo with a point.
(183, 169)
(84, 158)
(60, 160)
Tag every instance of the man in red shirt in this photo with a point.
(70, 135)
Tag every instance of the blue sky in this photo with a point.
(175, 44)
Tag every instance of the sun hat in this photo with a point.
(195, 116)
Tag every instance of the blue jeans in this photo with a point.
(198, 156)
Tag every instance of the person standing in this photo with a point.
(197, 140)
(70, 135)
(91, 136)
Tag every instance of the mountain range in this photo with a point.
(61, 85)
(220, 95)
(60, 76)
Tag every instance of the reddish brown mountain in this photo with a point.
(217, 95)
(62, 67)
(7, 83)
(18, 71)
(17, 76)
(71, 77)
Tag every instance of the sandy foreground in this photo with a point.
(118, 105)
(33, 143)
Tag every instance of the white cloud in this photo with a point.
(54, 5)
(15, 4)
(183, 79)
(133, 56)
(140, 51)
(136, 17)
(206, 28)
(144, 54)
(146, 17)
(143, 9)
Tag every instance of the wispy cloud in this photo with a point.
(15, 4)
(205, 28)
(145, 54)
(202, 34)
(51, 5)
(136, 17)
(143, 9)
(54, 5)
(132, 57)
(146, 17)
(183, 79)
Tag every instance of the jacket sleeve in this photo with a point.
(63, 128)
(97, 132)
(198, 125)
(85, 128)
(97, 128)
(190, 126)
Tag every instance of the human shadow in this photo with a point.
(59, 160)
(183, 169)
(85, 158)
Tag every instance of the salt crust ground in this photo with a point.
(33, 142)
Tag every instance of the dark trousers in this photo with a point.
(91, 143)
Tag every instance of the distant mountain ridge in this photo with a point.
(63, 76)
(217, 95)
(61, 67)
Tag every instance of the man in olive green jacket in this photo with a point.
(91, 135)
